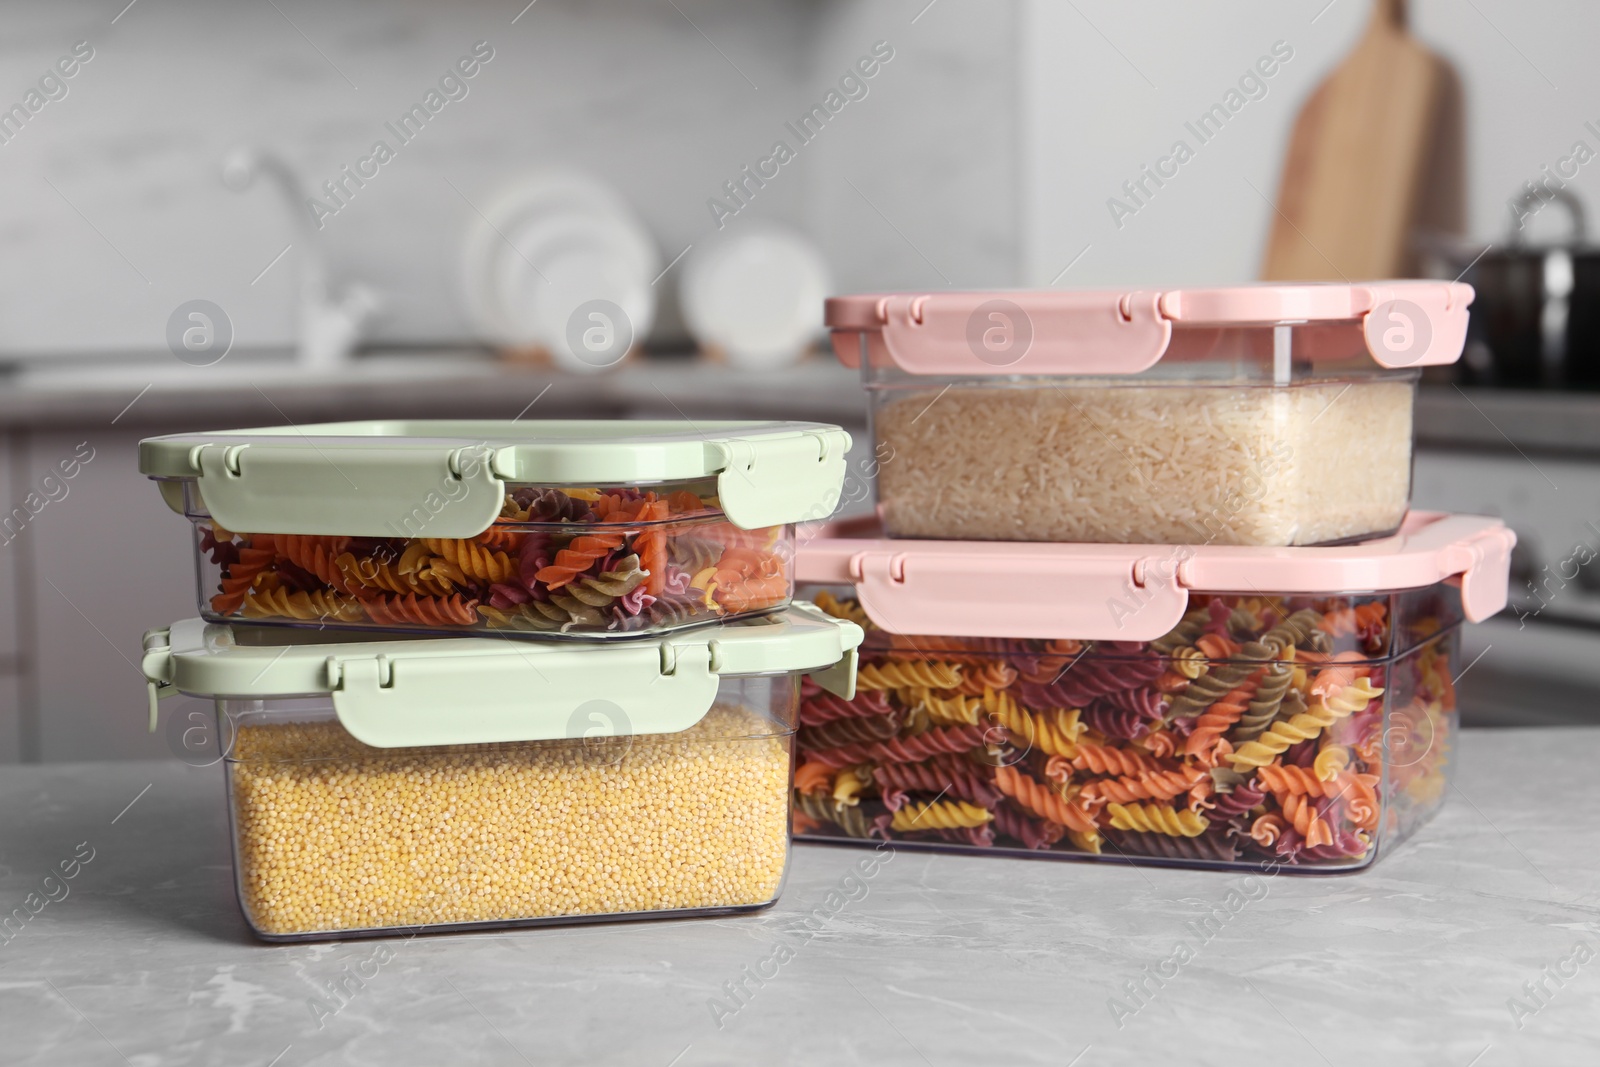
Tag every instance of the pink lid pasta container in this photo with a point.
(1212, 706)
(1254, 415)
(558, 529)
(376, 786)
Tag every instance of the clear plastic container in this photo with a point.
(447, 785)
(1258, 415)
(1310, 725)
(525, 528)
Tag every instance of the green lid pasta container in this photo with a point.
(455, 783)
(548, 528)
(1250, 415)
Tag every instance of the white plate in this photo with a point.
(542, 249)
(756, 295)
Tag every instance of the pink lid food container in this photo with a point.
(1210, 706)
(1254, 415)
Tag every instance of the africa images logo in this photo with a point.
(603, 731)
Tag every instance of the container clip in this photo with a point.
(354, 490)
(764, 478)
(402, 700)
(157, 668)
(953, 593)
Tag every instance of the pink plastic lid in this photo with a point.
(1133, 592)
(1399, 323)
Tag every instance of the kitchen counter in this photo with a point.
(444, 383)
(1507, 419)
(934, 959)
(435, 384)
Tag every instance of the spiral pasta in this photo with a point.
(500, 539)
(1191, 626)
(522, 617)
(1054, 733)
(754, 593)
(316, 556)
(852, 731)
(1033, 833)
(1331, 762)
(940, 775)
(1153, 785)
(1255, 728)
(1306, 726)
(848, 610)
(813, 778)
(469, 559)
(1220, 716)
(1264, 704)
(941, 709)
(412, 610)
(1204, 847)
(848, 784)
(391, 576)
(651, 546)
(933, 742)
(695, 554)
(548, 505)
(1039, 799)
(330, 607)
(985, 677)
(241, 577)
(1189, 662)
(1306, 820)
(1216, 646)
(939, 815)
(1207, 689)
(1103, 759)
(617, 560)
(895, 674)
(1156, 819)
(848, 818)
(821, 706)
(578, 556)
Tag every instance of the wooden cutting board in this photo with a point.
(1349, 197)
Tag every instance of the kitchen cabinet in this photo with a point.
(109, 561)
(11, 609)
(10, 718)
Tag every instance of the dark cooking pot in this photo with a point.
(1536, 320)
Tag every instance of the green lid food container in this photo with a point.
(557, 528)
(427, 784)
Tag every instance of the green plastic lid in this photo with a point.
(481, 690)
(364, 479)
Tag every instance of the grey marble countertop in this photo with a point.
(934, 959)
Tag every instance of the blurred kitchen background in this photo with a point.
(162, 269)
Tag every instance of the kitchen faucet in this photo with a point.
(327, 326)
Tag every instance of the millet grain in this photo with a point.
(336, 836)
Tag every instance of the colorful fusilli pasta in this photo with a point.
(1260, 726)
(568, 560)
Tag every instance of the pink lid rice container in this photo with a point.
(1251, 415)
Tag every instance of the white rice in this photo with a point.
(1154, 464)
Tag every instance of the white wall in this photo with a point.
(921, 192)
(627, 89)
(983, 155)
(1109, 89)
